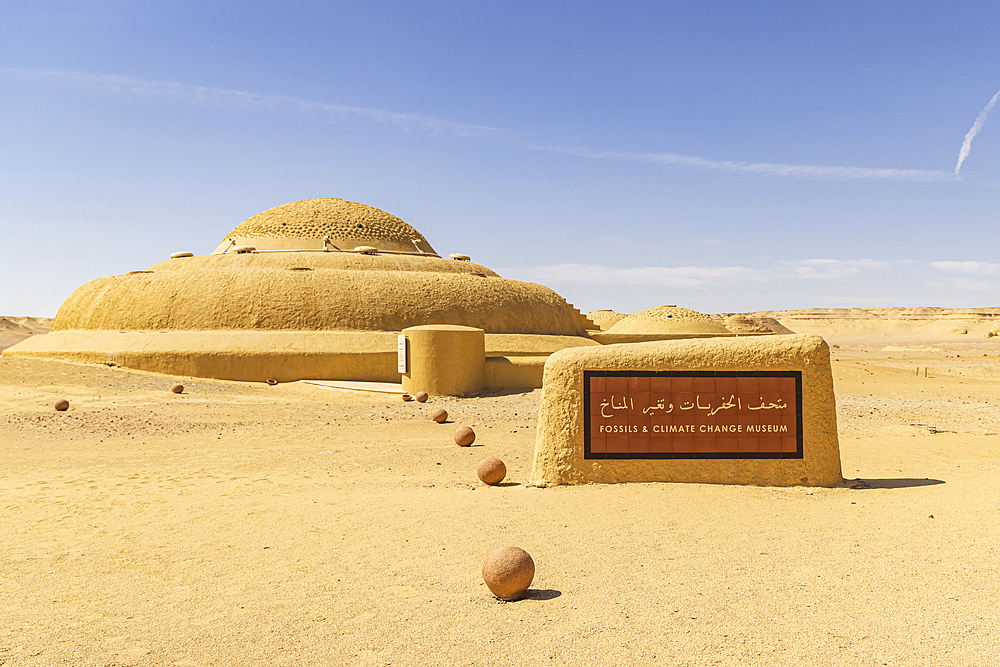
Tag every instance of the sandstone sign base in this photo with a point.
(757, 410)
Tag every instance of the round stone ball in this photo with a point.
(177, 388)
(464, 436)
(421, 396)
(407, 397)
(62, 405)
(491, 471)
(440, 415)
(508, 572)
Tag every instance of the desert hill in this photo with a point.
(15, 329)
(872, 325)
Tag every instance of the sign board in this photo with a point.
(692, 414)
(401, 353)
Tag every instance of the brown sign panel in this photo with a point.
(692, 414)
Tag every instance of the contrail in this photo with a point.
(832, 173)
(203, 95)
(973, 131)
(235, 98)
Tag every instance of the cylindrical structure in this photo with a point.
(445, 360)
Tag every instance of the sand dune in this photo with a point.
(15, 329)
(242, 524)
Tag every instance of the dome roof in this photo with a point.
(303, 225)
(293, 307)
(305, 288)
(668, 320)
(314, 291)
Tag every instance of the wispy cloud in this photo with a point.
(692, 276)
(202, 95)
(963, 274)
(760, 168)
(662, 276)
(980, 268)
(970, 276)
(209, 96)
(824, 269)
(973, 131)
(971, 285)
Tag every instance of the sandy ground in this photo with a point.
(242, 524)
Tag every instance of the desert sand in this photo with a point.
(889, 324)
(15, 329)
(245, 524)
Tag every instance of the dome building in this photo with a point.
(315, 289)
(662, 323)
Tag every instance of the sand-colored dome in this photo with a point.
(340, 224)
(605, 319)
(287, 310)
(314, 291)
(668, 320)
(296, 288)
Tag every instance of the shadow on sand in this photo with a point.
(541, 594)
(893, 483)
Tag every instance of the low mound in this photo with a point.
(741, 324)
(605, 319)
(773, 325)
(668, 320)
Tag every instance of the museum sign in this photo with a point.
(692, 414)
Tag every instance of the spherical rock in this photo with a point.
(177, 388)
(491, 471)
(465, 436)
(62, 405)
(421, 396)
(407, 397)
(440, 415)
(508, 572)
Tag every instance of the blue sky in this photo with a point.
(722, 156)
